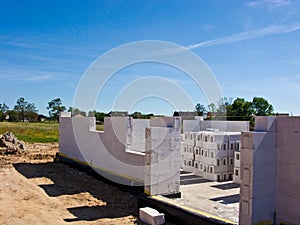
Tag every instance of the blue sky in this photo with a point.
(252, 47)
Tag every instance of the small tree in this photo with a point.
(25, 110)
(200, 109)
(3, 109)
(20, 108)
(55, 107)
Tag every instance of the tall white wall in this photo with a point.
(163, 160)
(270, 164)
(118, 152)
(288, 170)
(103, 151)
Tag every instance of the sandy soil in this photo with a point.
(36, 190)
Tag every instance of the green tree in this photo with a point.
(20, 107)
(3, 110)
(31, 112)
(25, 110)
(241, 108)
(100, 117)
(55, 106)
(13, 116)
(262, 107)
(200, 109)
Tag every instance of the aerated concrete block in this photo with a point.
(151, 216)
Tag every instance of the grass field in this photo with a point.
(34, 132)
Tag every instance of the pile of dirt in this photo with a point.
(10, 144)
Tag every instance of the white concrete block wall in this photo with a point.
(288, 170)
(109, 152)
(138, 134)
(163, 161)
(190, 126)
(101, 150)
(265, 123)
(230, 126)
(258, 155)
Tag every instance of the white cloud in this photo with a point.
(39, 78)
(269, 4)
(247, 35)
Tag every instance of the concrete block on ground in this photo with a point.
(151, 216)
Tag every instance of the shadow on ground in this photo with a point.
(229, 199)
(187, 178)
(226, 186)
(69, 181)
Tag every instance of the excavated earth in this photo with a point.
(36, 190)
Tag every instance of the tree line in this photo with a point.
(238, 109)
(26, 111)
(226, 108)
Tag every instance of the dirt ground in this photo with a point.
(36, 190)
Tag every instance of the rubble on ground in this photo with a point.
(10, 143)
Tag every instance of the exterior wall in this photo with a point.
(190, 125)
(101, 150)
(288, 170)
(258, 177)
(162, 165)
(271, 172)
(111, 152)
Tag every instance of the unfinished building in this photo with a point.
(270, 167)
(130, 152)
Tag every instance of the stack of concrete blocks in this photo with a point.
(187, 151)
(213, 155)
(162, 164)
(208, 148)
(237, 164)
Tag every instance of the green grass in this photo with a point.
(100, 127)
(32, 132)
